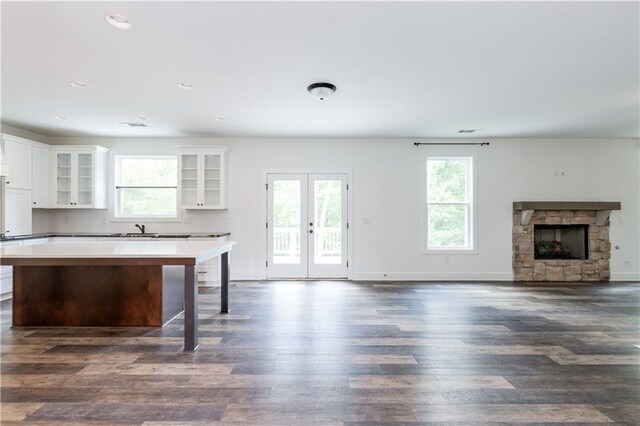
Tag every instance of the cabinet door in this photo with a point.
(63, 179)
(6, 272)
(212, 174)
(84, 183)
(17, 214)
(18, 155)
(189, 180)
(41, 177)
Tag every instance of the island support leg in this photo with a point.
(190, 308)
(224, 284)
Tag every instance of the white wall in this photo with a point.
(386, 183)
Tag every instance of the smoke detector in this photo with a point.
(321, 91)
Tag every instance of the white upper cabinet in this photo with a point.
(17, 152)
(17, 214)
(41, 176)
(203, 178)
(80, 177)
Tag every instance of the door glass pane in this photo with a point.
(63, 179)
(85, 178)
(327, 221)
(286, 221)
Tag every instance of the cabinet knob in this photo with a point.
(34, 203)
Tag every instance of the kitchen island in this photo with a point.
(112, 284)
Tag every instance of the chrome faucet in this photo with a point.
(141, 228)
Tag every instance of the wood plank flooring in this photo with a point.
(346, 354)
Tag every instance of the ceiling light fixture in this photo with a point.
(142, 118)
(117, 20)
(221, 118)
(468, 130)
(78, 84)
(184, 85)
(128, 124)
(60, 117)
(321, 91)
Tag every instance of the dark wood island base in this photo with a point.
(96, 296)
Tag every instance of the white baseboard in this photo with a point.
(426, 276)
(433, 276)
(625, 276)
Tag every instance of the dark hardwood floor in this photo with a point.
(345, 353)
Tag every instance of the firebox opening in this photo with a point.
(561, 241)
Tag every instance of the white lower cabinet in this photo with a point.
(6, 272)
(209, 272)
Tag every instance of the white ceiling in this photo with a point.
(551, 69)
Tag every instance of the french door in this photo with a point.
(307, 225)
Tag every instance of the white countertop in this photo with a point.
(201, 251)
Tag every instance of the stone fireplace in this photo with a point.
(561, 241)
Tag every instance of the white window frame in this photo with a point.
(116, 185)
(470, 224)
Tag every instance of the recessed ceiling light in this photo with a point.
(78, 84)
(117, 20)
(185, 85)
(221, 118)
(468, 130)
(60, 117)
(129, 124)
(321, 91)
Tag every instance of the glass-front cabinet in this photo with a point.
(203, 178)
(80, 180)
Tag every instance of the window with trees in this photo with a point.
(146, 187)
(449, 204)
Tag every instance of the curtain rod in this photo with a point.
(452, 143)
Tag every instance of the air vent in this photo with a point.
(124, 123)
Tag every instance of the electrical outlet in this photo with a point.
(627, 262)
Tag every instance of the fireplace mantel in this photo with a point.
(603, 208)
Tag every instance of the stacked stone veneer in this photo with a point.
(526, 268)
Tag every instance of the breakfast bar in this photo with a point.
(112, 284)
